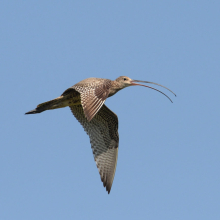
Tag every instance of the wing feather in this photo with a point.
(93, 95)
(104, 139)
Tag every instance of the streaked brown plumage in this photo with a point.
(86, 101)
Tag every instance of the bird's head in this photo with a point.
(125, 81)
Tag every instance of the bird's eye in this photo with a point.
(125, 79)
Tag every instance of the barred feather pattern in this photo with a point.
(93, 93)
(104, 139)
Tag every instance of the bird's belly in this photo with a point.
(74, 101)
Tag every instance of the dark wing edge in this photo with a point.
(70, 91)
(104, 139)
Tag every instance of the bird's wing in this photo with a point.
(104, 138)
(93, 97)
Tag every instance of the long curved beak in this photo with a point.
(133, 82)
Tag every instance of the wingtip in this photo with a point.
(108, 188)
(106, 185)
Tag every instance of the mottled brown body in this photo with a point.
(83, 93)
(86, 100)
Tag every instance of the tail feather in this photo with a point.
(59, 102)
(36, 110)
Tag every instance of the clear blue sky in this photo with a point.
(169, 154)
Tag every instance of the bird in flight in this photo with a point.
(86, 101)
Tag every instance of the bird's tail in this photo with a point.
(59, 102)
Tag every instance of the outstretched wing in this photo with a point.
(93, 95)
(104, 138)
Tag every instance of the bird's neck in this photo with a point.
(115, 87)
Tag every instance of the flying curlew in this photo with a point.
(86, 101)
